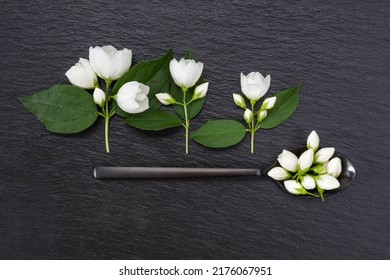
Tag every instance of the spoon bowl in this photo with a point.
(346, 177)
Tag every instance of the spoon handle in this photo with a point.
(164, 172)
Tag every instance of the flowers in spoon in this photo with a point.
(313, 169)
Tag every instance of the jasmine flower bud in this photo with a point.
(248, 115)
(308, 182)
(268, 103)
(279, 173)
(165, 98)
(313, 141)
(200, 91)
(99, 97)
(261, 115)
(305, 161)
(239, 100)
(334, 167)
(288, 161)
(327, 182)
(294, 187)
(323, 155)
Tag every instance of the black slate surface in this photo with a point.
(52, 208)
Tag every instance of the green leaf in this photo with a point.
(219, 133)
(196, 106)
(190, 55)
(286, 103)
(154, 120)
(154, 73)
(62, 109)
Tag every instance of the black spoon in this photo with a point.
(346, 177)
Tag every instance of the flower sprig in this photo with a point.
(185, 74)
(314, 169)
(254, 86)
(109, 64)
(117, 90)
(272, 112)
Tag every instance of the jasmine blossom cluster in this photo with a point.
(254, 86)
(109, 64)
(185, 73)
(314, 169)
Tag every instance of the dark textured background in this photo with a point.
(52, 207)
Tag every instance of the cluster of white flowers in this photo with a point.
(254, 86)
(185, 73)
(109, 64)
(313, 169)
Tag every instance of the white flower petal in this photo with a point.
(252, 92)
(288, 160)
(176, 71)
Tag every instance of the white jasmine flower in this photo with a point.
(185, 72)
(82, 75)
(254, 85)
(109, 63)
(132, 97)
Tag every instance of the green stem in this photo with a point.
(253, 128)
(107, 117)
(106, 124)
(312, 194)
(187, 121)
(321, 192)
(252, 141)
